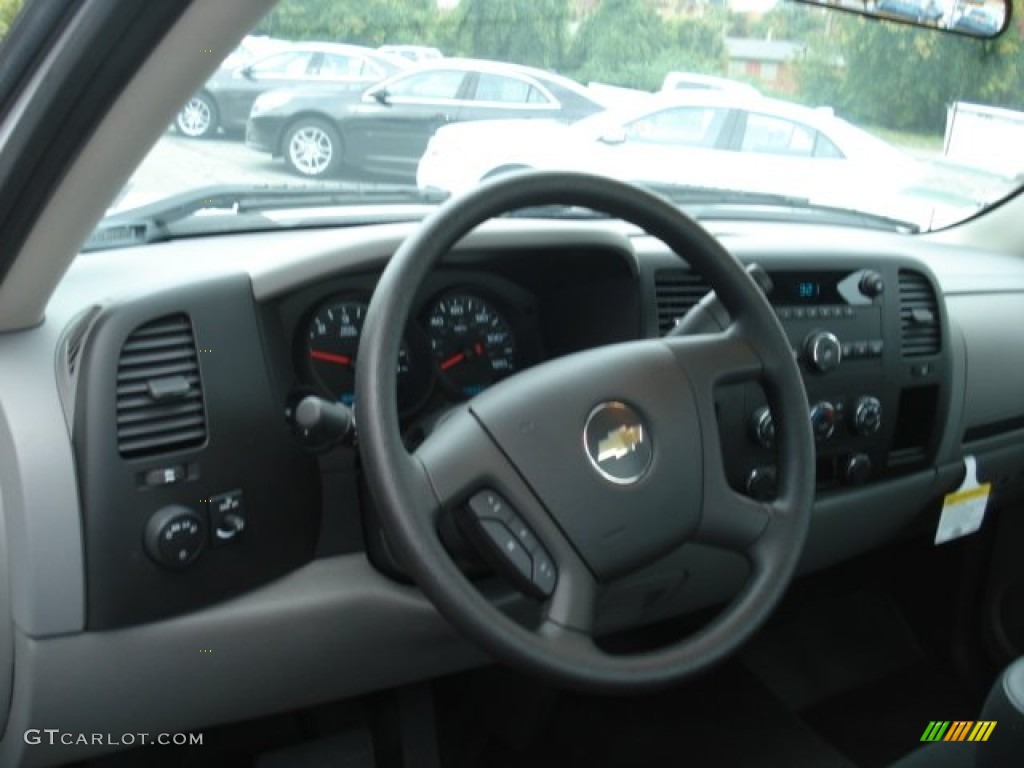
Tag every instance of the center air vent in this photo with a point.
(676, 292)
(920, 331)
(159, 393)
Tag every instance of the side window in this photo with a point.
(285, 64)
(436, 84)
(776, 136)
(506, 90)
(335, 66)
(687, 126)
(823, 147)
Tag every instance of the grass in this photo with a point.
(918, 142)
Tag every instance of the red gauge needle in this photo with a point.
(329, 357)
(455, 359)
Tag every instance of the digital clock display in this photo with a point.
(807, 289)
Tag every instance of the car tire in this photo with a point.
(199, 118)
(312, 148)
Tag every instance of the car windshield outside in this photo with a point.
(387, 101)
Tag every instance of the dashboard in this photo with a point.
(188, 504)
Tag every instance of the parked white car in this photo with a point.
(702, 138)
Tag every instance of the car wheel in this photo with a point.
(198, 118)
(312, 148)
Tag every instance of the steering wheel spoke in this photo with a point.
(711, 360)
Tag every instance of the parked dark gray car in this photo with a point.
(226, 98)
(384, 129)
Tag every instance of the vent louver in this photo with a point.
(919, 316)
(676, 292)
(159, 393)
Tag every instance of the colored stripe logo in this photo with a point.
(958, 730)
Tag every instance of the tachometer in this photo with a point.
(331, 347)
(471, 342)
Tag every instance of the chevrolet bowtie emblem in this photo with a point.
(620, 442)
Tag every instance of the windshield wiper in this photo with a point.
(709, 203)
(155, 222)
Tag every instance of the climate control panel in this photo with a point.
(840, 328)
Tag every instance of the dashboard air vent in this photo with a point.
(676, 291)
(159, 393)
(919, 316)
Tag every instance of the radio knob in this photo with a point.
(867, 415)
(871, 284)
(857, 469)
(762, 427)
(824, 352)
(823, 420)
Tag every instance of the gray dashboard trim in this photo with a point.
(995, 356)
(40, 497)
(332, 629)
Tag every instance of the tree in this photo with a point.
(623, 42)
(533, 32)
(369, 22)
(8, 10)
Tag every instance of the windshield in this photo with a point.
(758, 97)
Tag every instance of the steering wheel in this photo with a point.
(599, 462)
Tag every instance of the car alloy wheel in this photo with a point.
(312, 149)
(198, 118)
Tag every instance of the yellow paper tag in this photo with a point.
(963, 511)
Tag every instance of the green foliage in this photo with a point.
(533, 32)
(370, 22)
(619, 44)
(8, 10)
(903, 78)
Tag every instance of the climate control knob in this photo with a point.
(762, 427)
(823, 351)
(857, 469)
(823, 420)
(867, 415)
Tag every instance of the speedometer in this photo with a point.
(332, 342)
(471, 342)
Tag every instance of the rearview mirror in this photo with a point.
(976, 18)
(382, 96)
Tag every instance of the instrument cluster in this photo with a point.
(461, 340)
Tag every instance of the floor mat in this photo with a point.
(725, 719)
(879, 723)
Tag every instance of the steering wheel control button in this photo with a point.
(505, 542)
(823, 351)
(509, 545)
(762, 427)
(227, 517)
(545, 575)
(489, 505)
(823, 420)
(618, 443)
(175, 536)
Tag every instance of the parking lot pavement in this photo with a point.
(177, 164)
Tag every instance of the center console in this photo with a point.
(868, 337)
